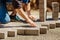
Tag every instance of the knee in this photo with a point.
(5, 20)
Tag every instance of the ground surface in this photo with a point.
(53, 34)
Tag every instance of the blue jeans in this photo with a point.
(4, 17)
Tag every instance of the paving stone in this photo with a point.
(2, 35)
(20, 32)
(52, 26)
(43, 30)
(45, 24)
(11, 33)
(31, 31)
(49, 24)
(27, 30)
(57, 24)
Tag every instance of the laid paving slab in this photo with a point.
(28, 31)
(49, 24)
(32, 31)
(43, 30)
(2, 35)
(11, 34)
(58, 23)
(20, 32)
(52, 24)
(45, 24)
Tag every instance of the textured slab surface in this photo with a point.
(2, 35)
(31, 32)
(11, 34)
(57, 24)
(20, 32)
(52, 26)
(43, 30)
(28, 31)
(49, 24)
(45, 24)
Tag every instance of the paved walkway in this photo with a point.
(53, 34)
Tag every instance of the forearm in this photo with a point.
(28, 9)
(22, 13)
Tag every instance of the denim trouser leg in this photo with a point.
(5, 19)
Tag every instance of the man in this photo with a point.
(26, 5)
(18, 9)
